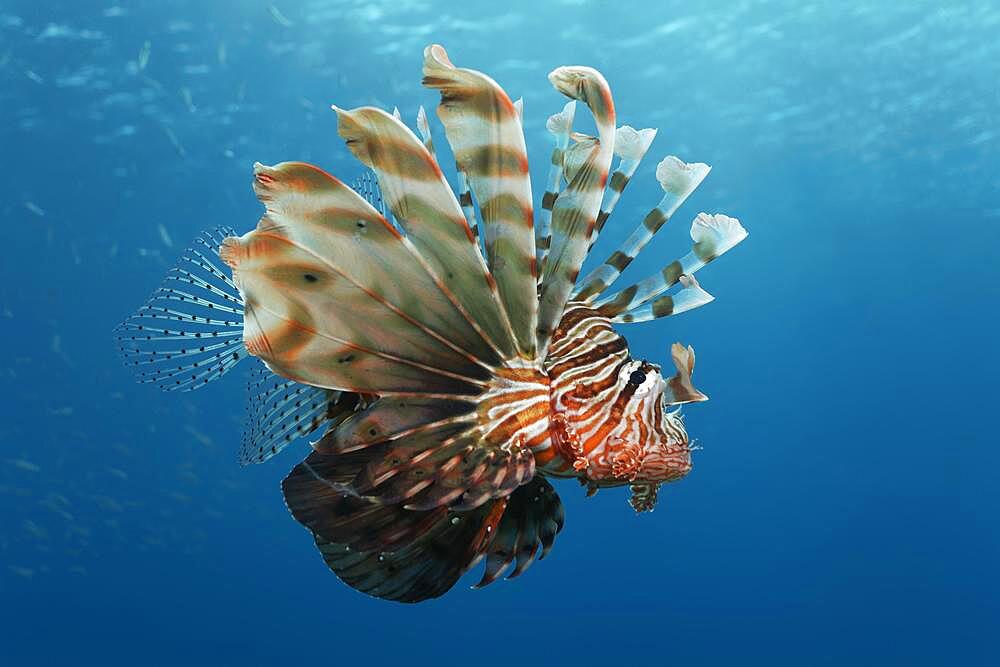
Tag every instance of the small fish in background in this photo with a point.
(55, 504)
(144, 53)
(23, 572)
(34, 208)
(24, 464)
(33, 529)
(107, 503)
(174, 141)
(278, 17)
(456, 362)
(165, 236)
(188, 100)
(199, 437)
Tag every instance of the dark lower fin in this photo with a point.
(384, 550)
(533, 518)
(190, 331)
(393, 553)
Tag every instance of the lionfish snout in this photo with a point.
(661, 450)
(668, 455)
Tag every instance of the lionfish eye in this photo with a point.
(637, 378)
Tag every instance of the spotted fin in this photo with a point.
(431, 453)
(366, 185)
(533, 518)
(392, 419)
(280, 411)
(426, 209)
(190, 330)
(394, 553)
(575, 211)
(336, 297)
(484, 130)
(385, 551)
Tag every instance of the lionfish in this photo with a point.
(446, 345)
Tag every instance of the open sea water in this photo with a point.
(844, 508)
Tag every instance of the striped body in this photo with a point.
(443, 339)
(605, 428)
(584, 416)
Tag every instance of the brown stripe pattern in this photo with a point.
(678, 181)
(608, 424)
(418, 195)
(324, 302)
(575, 211)
(484, 130)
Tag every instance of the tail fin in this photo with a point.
(190, 331)
(280, 411)
(393, 553)
(207, 342)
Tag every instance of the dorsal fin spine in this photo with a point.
(560, 125)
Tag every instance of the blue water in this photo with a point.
(844, 509)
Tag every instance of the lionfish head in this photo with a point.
(664, 454)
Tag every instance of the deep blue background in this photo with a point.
(844, 508)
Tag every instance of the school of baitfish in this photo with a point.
(446, 345)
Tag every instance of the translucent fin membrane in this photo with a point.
(630, 145)
(689, 297)
(367, 186)
(678, 180)
(280, 412)
(425, 131)
(576, 209)
(559, 125)
(533, 518)
(464, 194)
(190, 331)
(713, 235)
